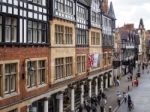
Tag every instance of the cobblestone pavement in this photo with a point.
(111, 93)
(140, 96)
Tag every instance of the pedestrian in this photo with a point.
(93, 107)
(131, 77)
(125, 97)
(102, 104)
(128, 88)
(118, 100)
(80, 108)
(118, 82)
(143, 66)
(99, 97)
(88, 107)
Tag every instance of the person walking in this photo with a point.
(125, 97)
(119, 99)
(87, 107)
(102, 104)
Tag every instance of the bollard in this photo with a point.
(110, 108)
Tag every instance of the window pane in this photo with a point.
(14, 22)
(34, 35)
(39, 36)
(7, 33)
(29, 35)
(8, 21)
(14, 34)
(31, 76)
(29, 24)
(13, 83)
(7, 88)
(59, 68)
(42, 71)
(10, 78)
(34, 32)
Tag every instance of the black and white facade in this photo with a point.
(23, 21)
(108, 27)
(129, 46)
(82, 23)
(95, 13)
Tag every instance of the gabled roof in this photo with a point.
(111, 12)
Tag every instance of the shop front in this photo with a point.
(53, 103)
(77, 96)
(37, 106)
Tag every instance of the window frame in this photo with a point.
(10, 27)
(61, 68)
(3, 93)
(81, 64)
(95, 38)
(42, 68)
(35, 38)
(37, 72)
(82, 37)
(9, 76)
(63, 35)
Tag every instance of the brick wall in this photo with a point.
(21, 54)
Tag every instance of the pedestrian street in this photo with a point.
(140, 96)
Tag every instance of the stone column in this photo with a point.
(90, 89)
(60, 98)
(96, 86)
(111, 79)
(82, 94)
(72, 99)
(102, 84)
(46, 104)
(106, 83)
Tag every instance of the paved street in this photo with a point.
(140, 96)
